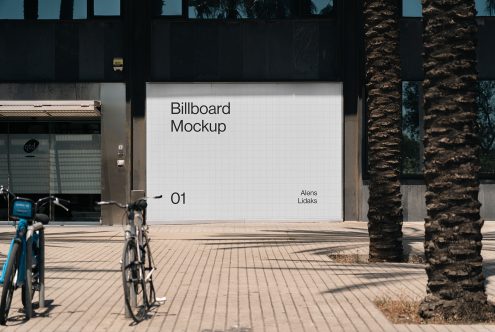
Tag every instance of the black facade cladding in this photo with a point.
(55, 51)
(245, 51)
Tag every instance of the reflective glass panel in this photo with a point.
(322, 7)
(412, 149)
(11, 9)
(411, 8)
(62, 9)
(167, 7)
(412, 127)
(485, 7)
(486, 125)
(261, 9)
(107, 7)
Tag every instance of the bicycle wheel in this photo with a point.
(28, 286)
(149, 267)
(133, 281)
(8, 282)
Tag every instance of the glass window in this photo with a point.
(262, 9)
(80, 9)
(167, 7)
(413, 132)
(106, 7)
(486, 125)
(485, 7)
(62, 9)
(11, 9)
(412, 127)
(218, 9)
(411, 8)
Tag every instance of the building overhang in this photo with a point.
(50, 109)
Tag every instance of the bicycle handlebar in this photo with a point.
(5, 191)
(125, 206)
(55, 200)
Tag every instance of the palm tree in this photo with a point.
(383, 83)
(456, 285)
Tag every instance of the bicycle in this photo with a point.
(25, 261)
(137, 262)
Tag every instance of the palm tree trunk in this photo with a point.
(383, 83)
(456, 288)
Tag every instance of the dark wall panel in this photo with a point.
(280, 50)
(66, 52)
(411, 49)
(245, 50)
(306, 50)
(182, 51)
(230, 55)
(26, 51)
(206, 52)
(91, 64)
(52, 51)
(255, 62)
(330, 58)
(112, 47)
(486, 48)
(160, 67)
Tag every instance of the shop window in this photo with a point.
(11, 10)
(106, 7)
(412, 127)
(62, 9)
(412, 8)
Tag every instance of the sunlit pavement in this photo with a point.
(231, 277)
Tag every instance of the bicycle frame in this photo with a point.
(136, 233)
(20, 237)
(27, 235)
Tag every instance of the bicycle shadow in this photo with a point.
(19, 318)
(152, 312)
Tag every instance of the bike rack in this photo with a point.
(41, 229)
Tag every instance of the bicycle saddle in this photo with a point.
(43, 218)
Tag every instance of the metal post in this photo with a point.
(28, 281)
(132, 298)
(42, 267)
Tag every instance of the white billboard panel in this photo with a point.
(244, 151)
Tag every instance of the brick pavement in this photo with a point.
(231, 277)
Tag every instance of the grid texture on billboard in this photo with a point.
(275, 153)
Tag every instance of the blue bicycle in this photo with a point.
(24, 266)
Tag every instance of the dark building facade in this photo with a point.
(128, 59)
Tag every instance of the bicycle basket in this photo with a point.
(23, 208)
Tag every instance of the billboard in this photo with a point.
(244, 151)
